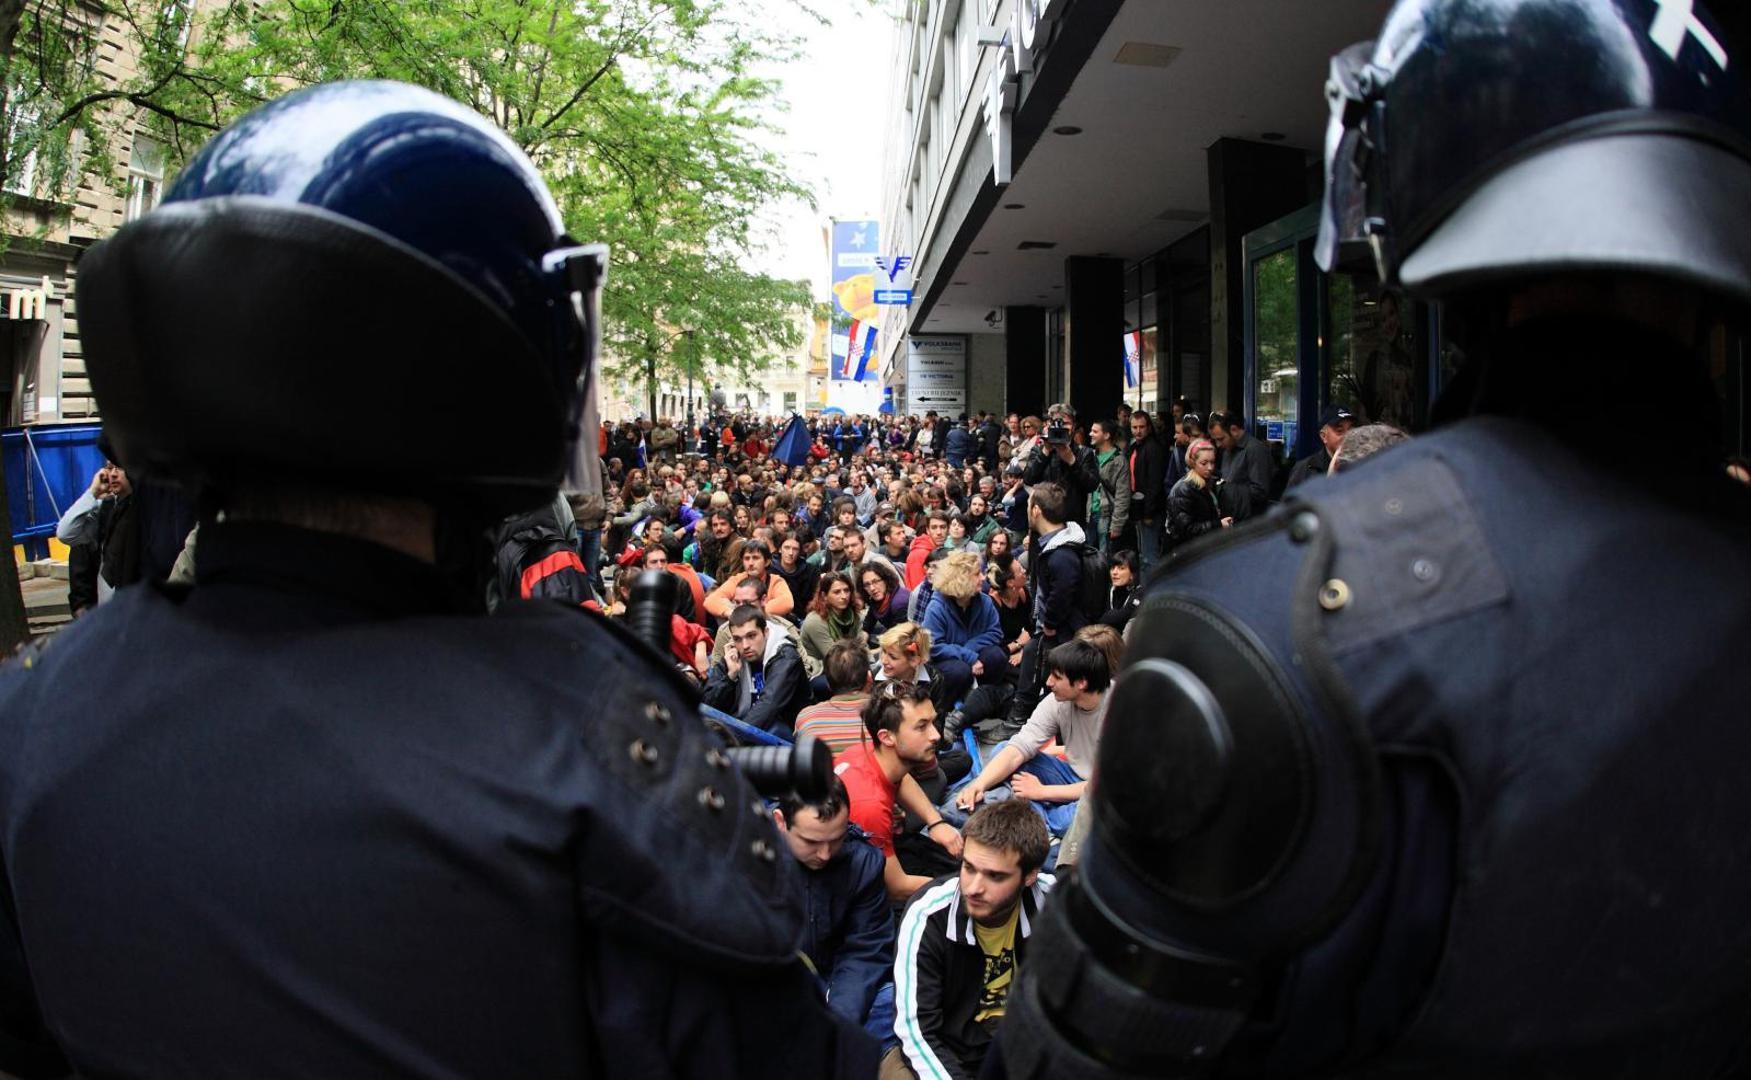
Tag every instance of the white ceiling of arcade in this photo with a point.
(1134, 180)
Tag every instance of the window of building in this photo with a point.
(21, 152)
(790, 401)
(145, 176)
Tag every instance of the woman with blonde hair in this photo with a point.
(966, 635)
(1192, 506)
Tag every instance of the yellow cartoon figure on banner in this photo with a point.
(857, 296)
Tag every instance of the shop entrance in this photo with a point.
(1315, 339)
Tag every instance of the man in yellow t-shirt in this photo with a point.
(962, 941)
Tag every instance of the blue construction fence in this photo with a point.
(47, 467)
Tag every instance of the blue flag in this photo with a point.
(793, 445)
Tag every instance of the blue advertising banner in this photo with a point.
(856, 314)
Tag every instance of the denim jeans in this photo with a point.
(1149, 542)
(590, 550)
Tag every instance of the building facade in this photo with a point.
(42, 367)
(1116, 200)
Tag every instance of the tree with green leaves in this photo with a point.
(645, 117)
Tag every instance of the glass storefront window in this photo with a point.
(1276, 328)
(1373, 352)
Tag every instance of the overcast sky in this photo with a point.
(836, 97)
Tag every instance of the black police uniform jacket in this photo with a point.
(302, 820)
(1524, 849)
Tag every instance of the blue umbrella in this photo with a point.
(793, 445)
(832, 410)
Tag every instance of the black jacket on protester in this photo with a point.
(1056, 575)
(848, 926)
(939, 977)
(784, 693)
(1314, 464)
(1148, 464)
(1247, 462)
(1079, 478)
(538, 558)
(1192, 509)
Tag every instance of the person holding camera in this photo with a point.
(1057, 460)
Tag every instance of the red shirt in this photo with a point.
(872, 794)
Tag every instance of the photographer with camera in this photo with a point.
(1058, 460)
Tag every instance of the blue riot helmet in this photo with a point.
(1481, 140)
(361, 285)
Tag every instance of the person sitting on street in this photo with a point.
(1125, 595)
(930, 538)
(835, 615)
(838, 721)
(900, 735)
(848, 919)
(962, 944)
(760, 680)
(966, 636)
(756, 563)
(1078, 674)
(752, 591)
(884, 599)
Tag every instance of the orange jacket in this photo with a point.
(778, 598)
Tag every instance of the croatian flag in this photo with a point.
(859, 348)
(1133, 358)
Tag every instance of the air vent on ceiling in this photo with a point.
(1036, 245)
(1172, 214)
(1143, 54)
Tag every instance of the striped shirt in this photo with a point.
(838, 722)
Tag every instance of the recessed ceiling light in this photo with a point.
(1067, 129)
(1145, 54)
(1014, 206)
(1036, 245)
(1273, 136)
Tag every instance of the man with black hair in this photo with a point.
(962, 944)
(1078, 676)
(1148, 471)
(760, 680)
(848, 923)
(1245, 461)
(900, 722)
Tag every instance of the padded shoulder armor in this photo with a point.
(677, 848)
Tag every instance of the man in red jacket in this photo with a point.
(935, 531)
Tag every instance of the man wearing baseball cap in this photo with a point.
(1334, 422)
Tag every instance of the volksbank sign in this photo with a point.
(1023, 44)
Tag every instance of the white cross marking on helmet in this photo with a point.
(1676, 21)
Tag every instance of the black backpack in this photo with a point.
(1094, 589)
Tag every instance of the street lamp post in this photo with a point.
(689, 334)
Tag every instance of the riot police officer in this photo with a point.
(1438, 770)
(318, 815)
